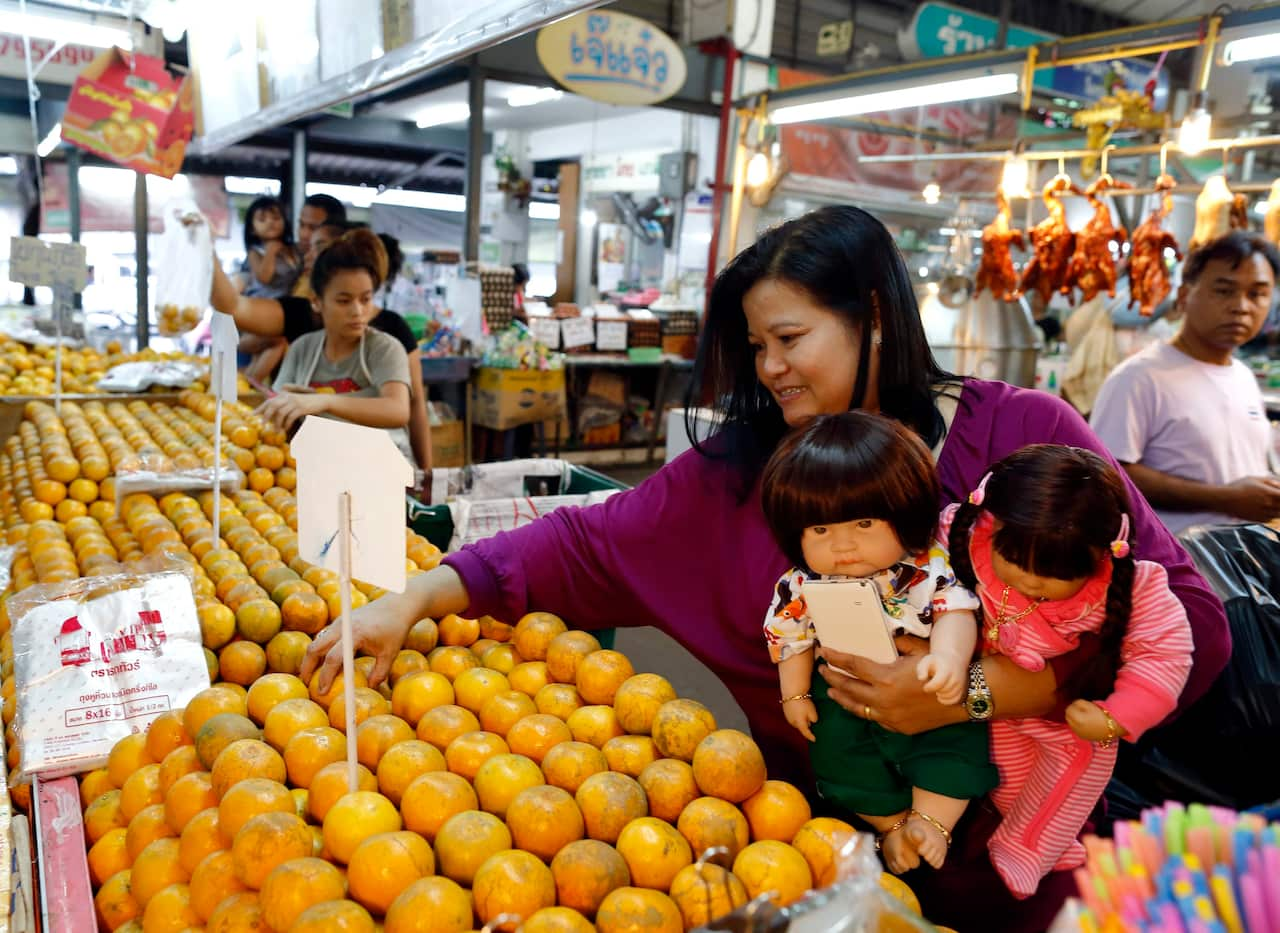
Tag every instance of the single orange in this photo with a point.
(710, 822)
(297, 884)
(502, 711)
(557, 920)
(403, 763)
(265, 842)
(594, 724)
(728, 764)
(600, 674)
(285, 652)
(706, 892)
(330, 784)
(109, 855)
(369, 702)
(473, 687)
(670, 787)
(443, 724)
(501, 778)
(310, 750)
(533, 634)
(246, 758)
(536, 734)
(423, 636)
(208, 703)
(142, 789)
(305, 612)
(200, 838)
(432, 798)
(455, 630)
(514, 884)
(543, 820)
(679, 725)
(774, 868)
(630, 754)
(407, 661)
(585, 872)
(242, 662)
(166, 733)
(638, 700)
(154, 868)
(566, 651)
(567, 764)
(377, 734)
(384, 865)
(823, 841)
(655, 852)
(145, 828)
(128, 755)
(334, 917)
(212, 882)
(418, 692)
(465, 841)
(114, 904)
(609, 801)
(776, 811)
(502, 657)
(465, 754)
(638, 910)
(289, 717)
(267, 692)
(218, 732)
(355, 817)
(188, 796)
(247, 799)
(529, 677)
(430, 905)
(559, 700)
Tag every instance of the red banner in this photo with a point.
(830, 152)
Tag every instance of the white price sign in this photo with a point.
(611, 335)
(34, 262)
(545, 330)
(577, 332)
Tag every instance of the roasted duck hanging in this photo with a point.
(1052, 243)
(1271, 220)
(995, 270)
(1093, 267)
(1148, 271)
(1218, 212)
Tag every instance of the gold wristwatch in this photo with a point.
(978, 702)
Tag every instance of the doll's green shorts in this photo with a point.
(862, 767)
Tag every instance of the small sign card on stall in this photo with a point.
(577, 332)
(351, 520)
(63, 266)
(545, 330)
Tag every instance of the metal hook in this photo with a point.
(1164, 156)
(1226, 154)
(1105, 150)
(1062, 165)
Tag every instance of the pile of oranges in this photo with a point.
(28, 370)
(509, 775)
(514, 776)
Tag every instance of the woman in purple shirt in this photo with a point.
(817, 317)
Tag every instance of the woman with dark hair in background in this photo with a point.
(817, 317)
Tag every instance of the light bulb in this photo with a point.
(1193, 134)
(1013, 181)
(931, 193)
(587, 218)
(758, 170)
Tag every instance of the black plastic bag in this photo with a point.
(1220, 750)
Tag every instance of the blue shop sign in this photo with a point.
(940, 30)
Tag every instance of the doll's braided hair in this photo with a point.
(1060, 511)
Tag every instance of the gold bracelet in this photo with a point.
(1113, 728)
(799, 696)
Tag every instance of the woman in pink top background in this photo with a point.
(818, 316)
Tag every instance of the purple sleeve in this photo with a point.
(1046, 419)
(617, 563)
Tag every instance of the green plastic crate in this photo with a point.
(435, 523)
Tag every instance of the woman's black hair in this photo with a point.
(838, 468)
(848, 262)
(1060, 509)
(251, 239)
(395, 256)
(357, 249)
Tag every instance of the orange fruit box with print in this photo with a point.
(127, 108)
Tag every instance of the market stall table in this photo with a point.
(665, 364)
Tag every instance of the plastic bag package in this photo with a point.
(97, 659)
(476, 519)
(1211, 753)
(511, 478)
(184, 267)
(138, 377)
(856, 902)
(160, 482)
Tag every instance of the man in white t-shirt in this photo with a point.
(1185, 418)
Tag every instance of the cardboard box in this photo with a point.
(505, 398)
(448, 442)
(130, 110)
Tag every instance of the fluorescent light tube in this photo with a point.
(1251, 48)
(540, 210)
(67, 30)
(938, 92)
(441, 114)
(8, 165)
(425, 200)
(528, 96)
(1193, 134)
(50, 142)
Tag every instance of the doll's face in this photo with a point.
(857, 548)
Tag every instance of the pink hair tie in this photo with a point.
(1120, 546)
(979, 494)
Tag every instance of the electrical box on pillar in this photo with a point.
(748, 25)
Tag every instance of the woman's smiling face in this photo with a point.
(806, 355)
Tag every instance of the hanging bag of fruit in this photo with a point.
(184, 269)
